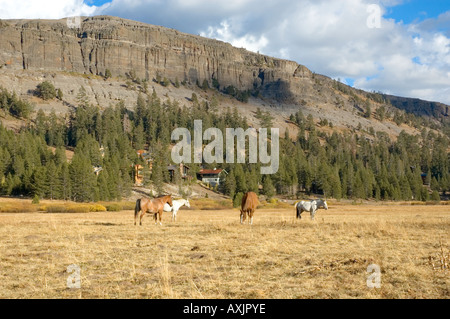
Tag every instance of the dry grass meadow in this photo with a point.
(208, 254)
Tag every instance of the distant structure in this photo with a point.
(211, 176)
(183, 169)
(139, 169)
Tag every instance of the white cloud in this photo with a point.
(44, 9)
(331, 37)
(224, 33)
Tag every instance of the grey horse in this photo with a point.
(310, 206)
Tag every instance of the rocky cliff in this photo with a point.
(120, 45)
(32, 51)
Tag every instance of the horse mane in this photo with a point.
(163, 196)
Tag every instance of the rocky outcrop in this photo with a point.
(120, 45)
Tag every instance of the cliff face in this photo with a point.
(120, 45)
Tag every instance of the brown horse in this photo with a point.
(155, 207)
(249, 203)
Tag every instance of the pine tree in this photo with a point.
(82, 178)
(228, 184)
(141, 108)
(158, 169)
(55, 135)
(335, 186)
(113, 177)
(239, 175)
(41, 123)
(102, 186)
(268, 188)
(435, 196)
(237, 200)
(252, 181)
(51, 178)
(64, 181)
(139, 138)
(157, 177)
(39, 182)
(82, 98)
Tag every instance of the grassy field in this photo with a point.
(208, 254)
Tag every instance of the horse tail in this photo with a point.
(137, 208)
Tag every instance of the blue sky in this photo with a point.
(418, 10)
(403, 48)
(408, 11)
(97, 2)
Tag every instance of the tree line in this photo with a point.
(350, 165)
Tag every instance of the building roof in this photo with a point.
(210, 171)
(98, 169)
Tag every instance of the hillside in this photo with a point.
(114, 86)
(134, 53)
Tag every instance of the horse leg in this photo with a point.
(250, 215)
(160, 217)
(140, 217)
(137, 210)
(174, 215)
(299, 213)
(313, 213)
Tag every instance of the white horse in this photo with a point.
(311, 207)
(177, 204)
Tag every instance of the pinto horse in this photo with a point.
(311, 206)
(154, 206)
(248, 206)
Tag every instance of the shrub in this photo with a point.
(128, 205)
(46, 90)
(216, 84)
(59, 94)
(113, 207)
(177, 83)
(56, 209)
(78, 209)
(205, 85)
(165, 82)
(75, 208)
(35, 200)
(97, 208)
(14, 207)
(108, 74)
(210, 204)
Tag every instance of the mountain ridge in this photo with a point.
(121, 45)
(43, 48)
